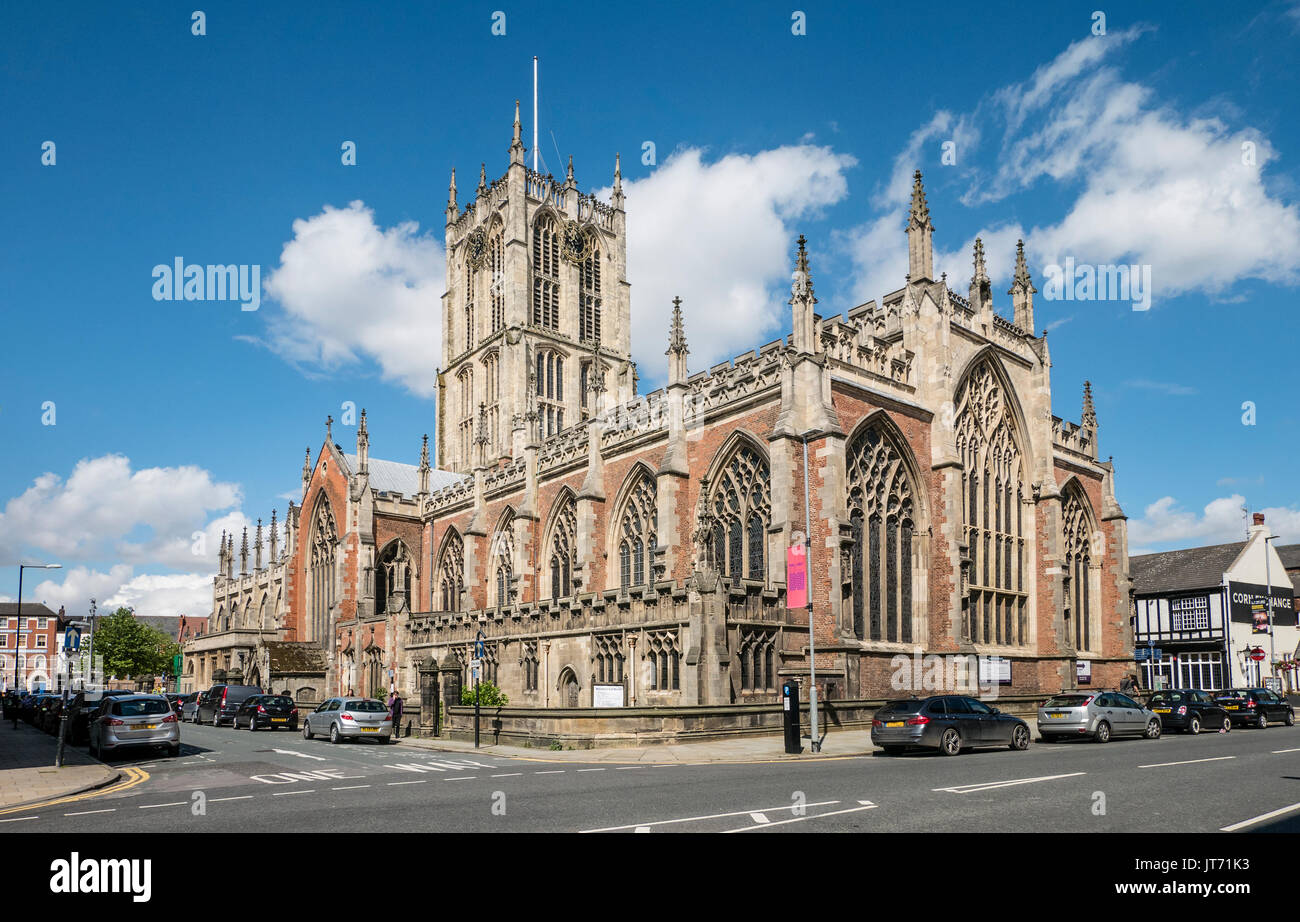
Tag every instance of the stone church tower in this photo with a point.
(536, 291)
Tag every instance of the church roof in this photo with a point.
(395, 477)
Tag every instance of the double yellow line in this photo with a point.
(134, 778)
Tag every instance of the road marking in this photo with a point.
(178, 803)
(416, 767)
(421, 781)
(556, 772)
(291, 793)
(1277, 751)
(1259, 819)
(219, 800)
(462, 778)
(990, 785)
(350, 787)
(134, 776)
(1187, 762)
(88, 812)
(642, 829)
(867, 805)
(711, 816)
(511, 775)
(581, 770)
(20, 819)
(301, 755)
(627, 768)
(759, 818)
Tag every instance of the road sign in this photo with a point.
(478, 649)
(1141, 653)
(1258, 654)
(475, 669)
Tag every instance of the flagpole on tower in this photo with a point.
(534, 113)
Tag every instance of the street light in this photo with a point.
(18, 634)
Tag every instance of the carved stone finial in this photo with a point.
(802, 286)
(677, 333)
(920, 212)
(1089, 417)
(1021, 280)
(329, 428)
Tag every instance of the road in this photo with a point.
(236, 781)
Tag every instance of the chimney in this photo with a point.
(1258, 518)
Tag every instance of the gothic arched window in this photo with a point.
(883, 522)
(637, 534)
(393, 578)
(1078, 562)
(589, 300)
(470, 281)
(550, 393)
(322, 543)
(992, 494)
(491, 386)
(502, 563)
(564, 542)
(741, 506)
(546, 273)
(497, 269)
(465, 381)
(451, 574)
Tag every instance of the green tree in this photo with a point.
(132, 648)
(489, 696)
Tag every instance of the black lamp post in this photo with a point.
(18, 634)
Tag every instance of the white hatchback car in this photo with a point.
(133, 721)
(349, 718)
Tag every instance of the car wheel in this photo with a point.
(252, 723)
(1290, 718)
(1261, 720)
(950, 742)
(216, 719)
(1194, 725)
(1020, 738)
(1102, 734)
(1227, 724)
(334, 733)
(306, 730)
(1153, 729)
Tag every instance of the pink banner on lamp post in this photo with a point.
(796, 577)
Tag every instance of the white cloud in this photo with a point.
(106, 510)
(721, 235)
(350, 291)
(1222, 521)
(148, 594)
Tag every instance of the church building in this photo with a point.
(617, 561)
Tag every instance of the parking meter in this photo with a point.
(790, 716)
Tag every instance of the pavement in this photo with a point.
(838, 744)
(27, 772)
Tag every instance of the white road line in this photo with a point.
(1187, 762)
(291, 793)
(759, 818)
(462, 778)
(990, 785)
(590, 770)
(88, 812)
(711, 816)
(395, 783)
(179, 803)
(627, 768)
(20, 819)
(350, 787)
(511, 775)
(1277, 751)
(219, 800)
(301, 755)
(642, 829)
(867, 805)
(557, 772)
(1259, 819)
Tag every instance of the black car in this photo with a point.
(1190, 710)
(81, 710)
(219, 703)
(1256, 707)
(271, 711)
(949, 723)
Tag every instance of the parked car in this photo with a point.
(189, 707)
(949, 723)
(134, 721)
(349, 718)
(1190, 710)
(51, 714)
(82, 708)
(220, 702)
(1256, 707)
(1099, 715)
(272, 711)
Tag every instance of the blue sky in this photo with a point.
(176, 417)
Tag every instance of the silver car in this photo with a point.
(349, 718)
(134, 721)
(1099, 715)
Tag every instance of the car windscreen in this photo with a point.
(900, 707)
(141, 708)
(1165, 697)
(1068, 701)
(373, 706)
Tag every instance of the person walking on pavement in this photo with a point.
(395, 713)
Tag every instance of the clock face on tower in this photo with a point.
(576, 244)
(476, 248)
